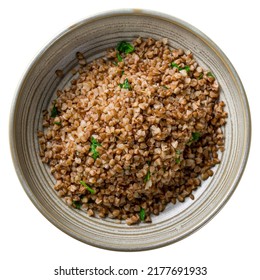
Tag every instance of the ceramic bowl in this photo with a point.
(92, 37)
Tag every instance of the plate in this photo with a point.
(92, 37)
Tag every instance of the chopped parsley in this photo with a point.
(142, 214)
(54, 111)
(147, 176)
(209, 74)
(165, 87)
(77, 204)
(124, 47)
(195, 136)
(58, 123)
(175, 65)
(87, 187)
(200, 76)
(93, 147)
(122, 73)
(178, 159)
(125, 84)
(187, 68)
(119, 57)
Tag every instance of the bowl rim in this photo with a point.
(112, 13)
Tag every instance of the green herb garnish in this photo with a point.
(125, 47)
(186, 67)
(93, 147)
(122, 73)
(209, 74)
(200, 76)
(177, 159)
(174, 65)
(142, 214)
(119, 57)
(87, 187)
(77, 204)
(195, 136)
(54, 111)
(125, 84)
(58, 123)
(165, 87)
(115, 63)
(147, 176)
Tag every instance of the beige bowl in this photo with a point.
(92, 37)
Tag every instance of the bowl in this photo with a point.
(92, 37)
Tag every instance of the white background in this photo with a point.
(31, 247)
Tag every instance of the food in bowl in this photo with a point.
(134, 131)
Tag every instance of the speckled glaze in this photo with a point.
(92, 37)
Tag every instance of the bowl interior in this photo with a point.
(92, 37)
